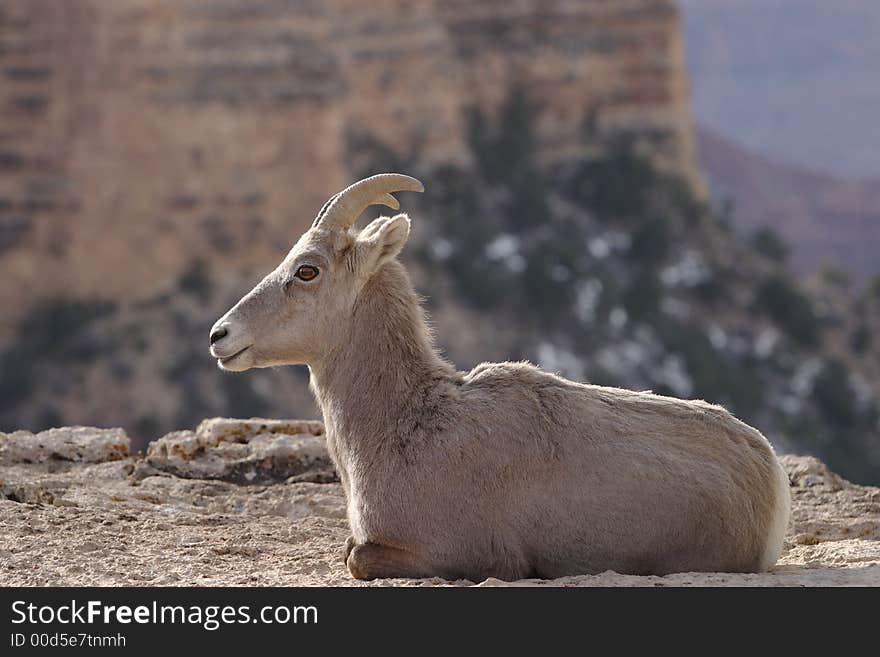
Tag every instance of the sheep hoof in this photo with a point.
(374, 561)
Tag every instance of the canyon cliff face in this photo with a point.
(825, 220)
(157, 158)
(139, 136)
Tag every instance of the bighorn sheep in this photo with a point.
(504, 471)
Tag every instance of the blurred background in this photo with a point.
(682, 197)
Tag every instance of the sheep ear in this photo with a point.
(381, 240)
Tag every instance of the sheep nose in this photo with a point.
(218, 334)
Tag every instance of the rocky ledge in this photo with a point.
(256, 502)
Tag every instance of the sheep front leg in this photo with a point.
(374, 561)
(349, 546)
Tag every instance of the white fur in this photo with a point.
(779, 525)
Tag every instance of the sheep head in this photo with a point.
(299, 311)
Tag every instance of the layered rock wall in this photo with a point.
(137, 136)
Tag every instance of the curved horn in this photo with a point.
(342, 210)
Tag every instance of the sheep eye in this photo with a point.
(306, 273)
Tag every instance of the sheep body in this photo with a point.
(506, 470)
(509, 471)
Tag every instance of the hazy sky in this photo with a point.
(798, 80)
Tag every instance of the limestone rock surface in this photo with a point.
(255, 451)
(101, 517)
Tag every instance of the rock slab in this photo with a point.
(65, 444)
(254, 451)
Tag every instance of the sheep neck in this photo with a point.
(373, 389)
